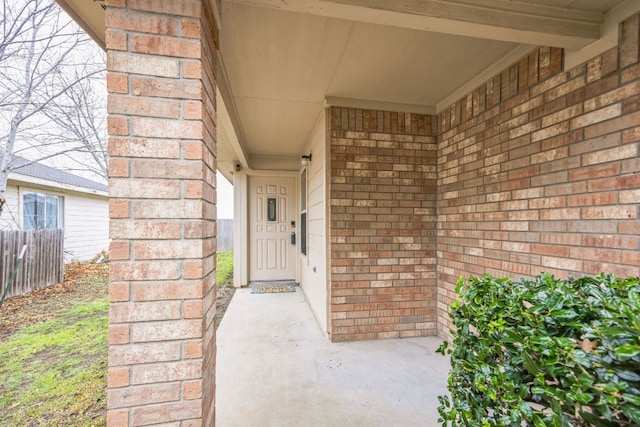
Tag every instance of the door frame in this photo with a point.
(241, 220)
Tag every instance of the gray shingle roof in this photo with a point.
(37, 170)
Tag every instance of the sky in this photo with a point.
(225, 197)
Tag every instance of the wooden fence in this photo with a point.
(225, 235)
(43, 262)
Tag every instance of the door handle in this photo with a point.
(293, 237)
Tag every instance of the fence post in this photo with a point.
(13, 275)
(41, 252)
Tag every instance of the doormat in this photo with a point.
(272, 289)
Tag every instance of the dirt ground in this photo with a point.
(225, 293)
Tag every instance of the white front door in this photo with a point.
(271, 212)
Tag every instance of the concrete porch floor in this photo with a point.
(276, 368)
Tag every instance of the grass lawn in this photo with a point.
(54, 363)
(53, 348)
(224, 270)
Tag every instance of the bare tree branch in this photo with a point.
(49, 106)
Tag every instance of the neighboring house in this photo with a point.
(442, 138)
(40, 196)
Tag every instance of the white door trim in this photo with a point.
(240, 230)
(284, 174)
(241, 220)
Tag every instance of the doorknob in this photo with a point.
(293, 237)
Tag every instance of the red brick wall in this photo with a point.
(162, 151)
(538, 171)
(382, 224)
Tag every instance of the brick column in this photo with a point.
(383, 225)
(161, 105)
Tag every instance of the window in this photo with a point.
(303, 212)
(272, 209)
(41, 211)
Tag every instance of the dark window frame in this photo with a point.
(42, 211)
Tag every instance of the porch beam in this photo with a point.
(488, 19)
(366, 104)
(609, 31)
(230, 118)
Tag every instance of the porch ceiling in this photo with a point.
(285, 60)
(282, 62)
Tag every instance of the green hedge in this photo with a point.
(544, 352)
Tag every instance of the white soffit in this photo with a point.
(283, 67)
(89, 15)
(404, 66)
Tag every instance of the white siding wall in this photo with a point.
(314, 267)
(86, 224)
(10, 218)
(86, 219)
